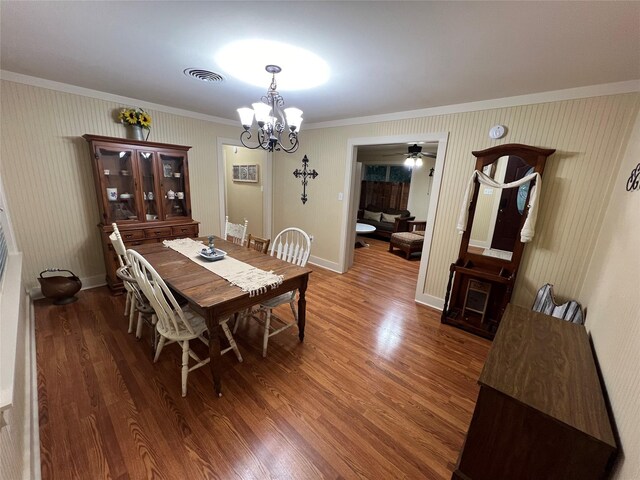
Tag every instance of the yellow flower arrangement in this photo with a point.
(135, 116)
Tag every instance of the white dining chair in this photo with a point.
(235, 232)
(174, 324)
(118, 246)
(293, 246)
(135, 301)
(545, 302)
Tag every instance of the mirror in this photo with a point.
(498, 213)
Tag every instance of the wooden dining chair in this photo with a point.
(175, 324)
(294, 246)
(259, 244)
(235, 232)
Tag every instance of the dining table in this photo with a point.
(214, 298)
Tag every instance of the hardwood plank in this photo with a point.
(378, 389)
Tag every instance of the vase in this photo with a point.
(135, 132)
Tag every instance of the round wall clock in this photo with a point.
(497, 131)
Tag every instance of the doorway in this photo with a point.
(352, 193)
(508, 220)
(244, 179)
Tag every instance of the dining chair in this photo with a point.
(235, 232)
(139, 304)
(292, 245)
(135, 301)
(118, 246)
(259, 244)
(545, 302)
(175, 324)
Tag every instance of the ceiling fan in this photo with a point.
(413, 151)
(413, 156)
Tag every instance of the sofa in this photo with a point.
(386, 220)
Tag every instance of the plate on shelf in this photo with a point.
(126, 196)
(219, 255)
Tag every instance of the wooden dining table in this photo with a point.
(215, 298)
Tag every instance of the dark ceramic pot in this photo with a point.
(60, 289)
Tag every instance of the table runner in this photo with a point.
(247, 277)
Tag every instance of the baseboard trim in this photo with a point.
(430, 301)
(31, 457)
(87, 283)
(321, 262)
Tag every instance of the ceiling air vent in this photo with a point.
(204, 75)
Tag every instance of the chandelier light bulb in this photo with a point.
(246, 117)
(418, 162)
(294, 118)
(409, 162)
(262, 111)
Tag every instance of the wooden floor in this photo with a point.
(379, 389)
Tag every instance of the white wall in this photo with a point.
(611, 296)
(19, 458)
(420, 190)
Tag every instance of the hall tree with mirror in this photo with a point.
(497, 226)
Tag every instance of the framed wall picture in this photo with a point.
(245, 173)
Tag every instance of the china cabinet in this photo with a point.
(143, 187)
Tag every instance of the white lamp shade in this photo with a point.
(409, 162)
(246, 116)
(294, 117)
(262, 111)
(418, 162)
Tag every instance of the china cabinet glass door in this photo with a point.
(150, 192)
(173, 183)
(117, 178)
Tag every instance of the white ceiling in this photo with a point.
(384, 57)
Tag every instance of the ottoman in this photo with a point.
(408, 242)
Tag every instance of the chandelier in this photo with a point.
(272, 120)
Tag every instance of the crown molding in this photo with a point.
(86, 92)
(533, 98)
(629, 86)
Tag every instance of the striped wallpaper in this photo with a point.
(4, 253)
(50, 192)
(46, 170)
(588, 135)
(611, 296)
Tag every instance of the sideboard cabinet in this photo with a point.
(541, 411)
(143, 187)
